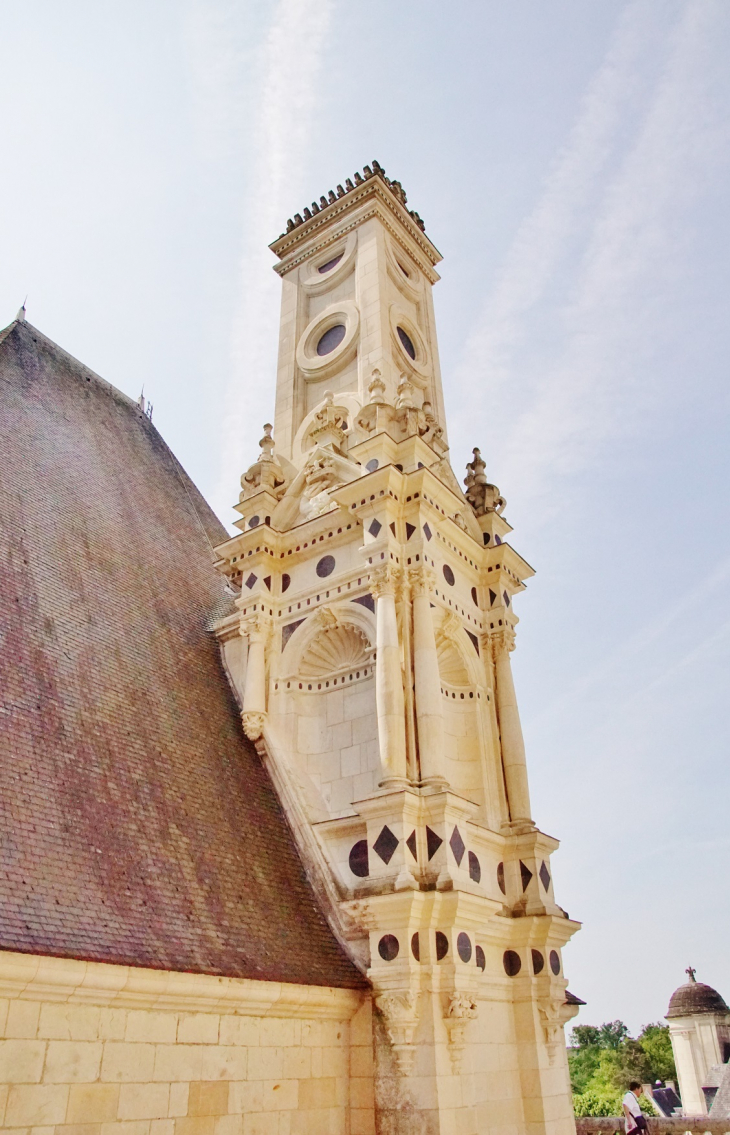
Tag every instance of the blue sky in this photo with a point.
(571, 163)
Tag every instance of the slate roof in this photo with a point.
(695, 997)
(137, 824)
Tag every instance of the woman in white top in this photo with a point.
(633, 1117)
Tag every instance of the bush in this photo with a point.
(597, 1101)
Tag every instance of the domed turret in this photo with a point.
(694, 997)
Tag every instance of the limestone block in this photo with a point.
(298, 1063)
(362, 1121)
(162, 1127)
(4, 1004)
(36, 1104)
(265, 1063)
(144, 1101)
(21, 1061)
(72, 1062)
(69, 1022)
(128, 1127)
(112, 1024)
(277, 1032)
(350, 761)
(22, 1020)
(179, 1094)
(223, 1063)
(133, 1063)
(318, 1093)
(261, 1123)
(240, 1030)
(175, 1062)
(280, 1095)
(362, 1092)
(246, 1097)
(143, 1025)
(198, 1028)
(229, 1125)
(208, 1098)
(195, 1125)
(92, 1103)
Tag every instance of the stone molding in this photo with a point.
(34, 977)
(461, 1009)
(400, 1011)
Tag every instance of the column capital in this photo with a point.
(502, 639)
(421, 579)
(255, 627)
(385, 580)
(253, 723)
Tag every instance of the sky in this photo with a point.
(570, 161)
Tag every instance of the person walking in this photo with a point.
(634, 1119)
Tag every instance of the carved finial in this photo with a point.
(21, 312)
(340, 191)
(367, 171)
(267, 443)
(323, 202)
(377, 166)
(405, 393)
(290, 225)
(315, 207)
(358, 179)
(348, 184)
(307, 214)
(332, 196)
(690, 971)
(298, 219)
(376, 387)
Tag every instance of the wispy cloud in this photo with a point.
(276, 122)
(585, 386)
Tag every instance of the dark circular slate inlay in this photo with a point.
(480, 959)
(500, 878)
(372, 464)
(331, 339)
(359, 863)
(407, 342)
(442, 945)
(330, 263)
(475, 868)
(449, 575)
(512, 963)
(538, 962)
(285, 581)
(325, 566)
(416, 947)
(463, 945)
(474, 597)
(254, 521)
(555, 962)
(388, 947)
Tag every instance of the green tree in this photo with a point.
(613, 1034)
(585, 1036)
(656, 1043)
(583, 1064)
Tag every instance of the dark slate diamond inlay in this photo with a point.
(427, 532)
(411, 844)
(506, 598)
(410, 529)
(366, 601)
(251, 580)
(492, 597)
(288, 631)
(392, 526)
(456, 844)
(267, 582)
(545, 875)
(433, 842)
(474, 640)
(526, 874)
(374, 527)
(386, 844)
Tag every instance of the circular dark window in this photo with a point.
(500, 878)
(407, 342)
(330, 263)
(285, 581)
(416, 947)
(475, 868)
(254, 521)
(325, 566)
(359, 864)
(538, 962)
(474, 597)
(331, 339)
(512, 963)
(463, 945)
(555, 962)
(388, 947)
(442, 945)
(372, 465)
(480, 959)
(449, 575)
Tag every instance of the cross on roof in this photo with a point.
(691, 973)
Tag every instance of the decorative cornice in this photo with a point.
(35, 977)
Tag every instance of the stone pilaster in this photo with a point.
(510, 728)
(389, 699)
(429, 715)
(257, 629)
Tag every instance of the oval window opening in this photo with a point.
(330, 263)
(407, 343)
(331, 339)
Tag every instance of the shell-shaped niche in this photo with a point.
(452, 670)
(334, 649)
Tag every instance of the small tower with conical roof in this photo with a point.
(699, 1025)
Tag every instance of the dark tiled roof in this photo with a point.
(137, 824)
(695, 997)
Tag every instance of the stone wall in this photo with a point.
(674, 1125)
(90, 1049)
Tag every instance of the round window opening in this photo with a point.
(407, 343)
(512, 963)
(330, 263)
(555, 962)
(331, 339)
(449, 575)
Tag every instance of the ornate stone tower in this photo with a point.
(699, 1025)
(371, 654)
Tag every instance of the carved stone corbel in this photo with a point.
(553, 1015)
(461, 1009)
(253, 723)
(400, 1012)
